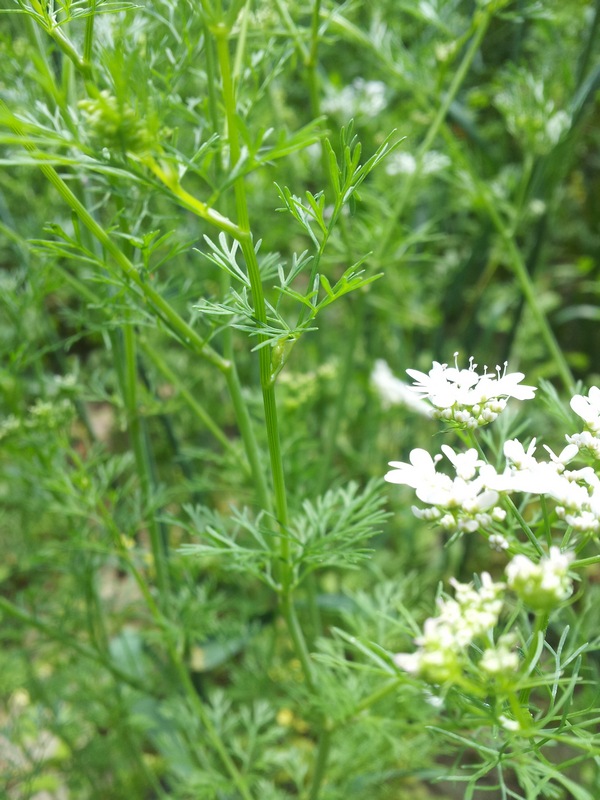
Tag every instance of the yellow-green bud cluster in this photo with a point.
(114, 125)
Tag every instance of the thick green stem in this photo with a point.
(266, 378)
(245, 239)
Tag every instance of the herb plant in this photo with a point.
(227, 227)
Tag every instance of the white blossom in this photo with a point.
(509, 724)
(465, 503)
(472, 614)
(588, 408)
(498, 542)
(500, 660)
(543, 585)
(405, 163)
(586, 441)
(361, 98)
(466, 398)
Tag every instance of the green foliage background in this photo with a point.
(423, 179)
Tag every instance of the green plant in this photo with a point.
(212, 228)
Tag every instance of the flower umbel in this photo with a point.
(442, 652)
(464, 397)
(544, 585)
(464, 503)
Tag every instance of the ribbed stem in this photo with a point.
(266, 380)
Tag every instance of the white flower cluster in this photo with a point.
(541, 586)
(360, 99)
(500, 660)
(470, 500)
(464, 397)
(576, 492)
(441, 649)
(405, 163)
(463, 503)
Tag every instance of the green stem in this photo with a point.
(481, 23)
(253, 453)
(517, 262)
(198, 410)
(245, 239)
(187, 200)
(138, 441)
(294, 33)
(540, 626)
(580, 563)
(88, 40)
(311, 61)
(160, 305)
(529, 292)
(288, 612)
(247, 431)
(55, 31)
(589, 46)
(376, 696)
(266, 378)
(324, 747)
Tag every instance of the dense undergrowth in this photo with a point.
(217, 221)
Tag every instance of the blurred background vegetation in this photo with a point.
(499, 188)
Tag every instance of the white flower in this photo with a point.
(524, 473)
(544, 585)
(465, 463)
(361, 98)
(463, 503)
(509, 724)
(498, 542)
(394, 392)
(499, 661)
(400, 162)
(586, 441)
(588, 408)
(445, 638)
(420, 472)
(466, 398)
(405, 163)
(517, 456)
